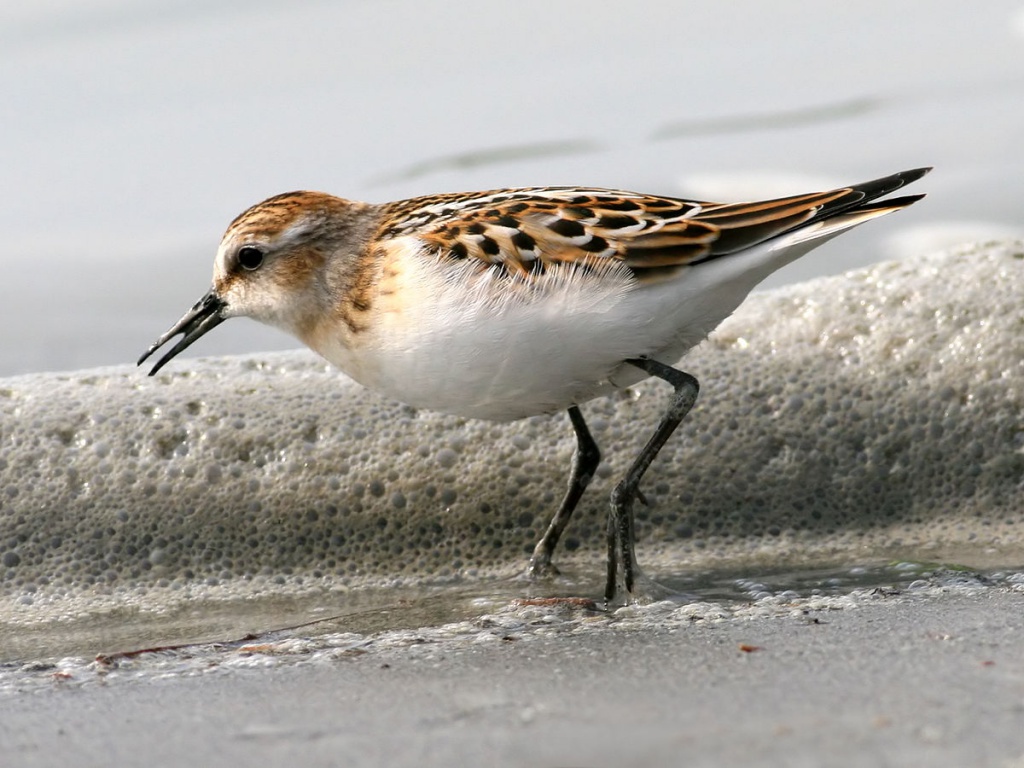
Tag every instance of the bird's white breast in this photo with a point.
(446, 336)
(470, 341)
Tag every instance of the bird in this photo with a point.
(511, 303)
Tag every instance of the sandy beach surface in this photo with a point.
(931, 675)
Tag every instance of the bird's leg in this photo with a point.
(620, 518)
(584, 464)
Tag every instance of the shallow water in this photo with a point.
(128, 631)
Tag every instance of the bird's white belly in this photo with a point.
(490, 347)
(490, 379)
(481, 350)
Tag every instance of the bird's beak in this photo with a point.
(205, 315)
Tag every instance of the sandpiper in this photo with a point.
(516, 302)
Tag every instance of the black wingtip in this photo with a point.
(909, 177)
(876, 188)
(863, 196)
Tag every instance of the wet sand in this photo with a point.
(926, 676)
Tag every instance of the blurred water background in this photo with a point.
(132, 133)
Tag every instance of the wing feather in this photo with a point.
(525, 231)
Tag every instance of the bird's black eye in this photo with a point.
(250, 257)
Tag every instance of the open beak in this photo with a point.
(205, 315)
